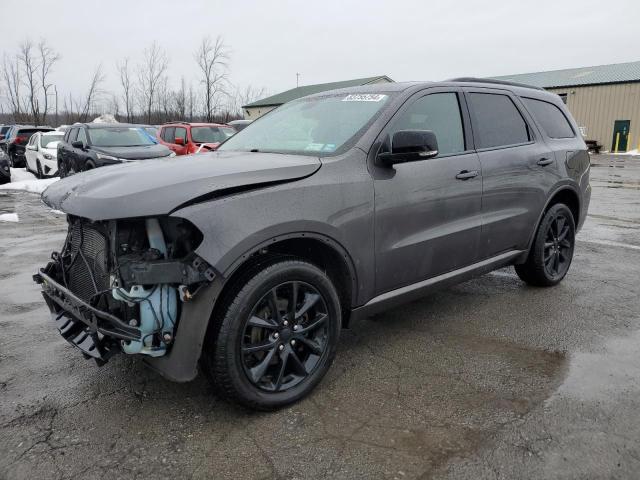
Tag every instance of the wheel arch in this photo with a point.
(566, 194)
(318, 249)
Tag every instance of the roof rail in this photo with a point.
(491, 80)
(177, 121)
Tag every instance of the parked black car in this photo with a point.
(90, 145)
(5, 170)
(17, 140)
(249, 260)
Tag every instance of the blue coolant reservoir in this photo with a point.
(158, 305)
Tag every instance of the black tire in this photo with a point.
(292, 359)
(62, 169)
(89, 165)
(39, 173)
(12, 160)
(552, 250)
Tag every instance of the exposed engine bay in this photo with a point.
(118, 285)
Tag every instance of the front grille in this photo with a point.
(88, 250)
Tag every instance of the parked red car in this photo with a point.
(184, 138)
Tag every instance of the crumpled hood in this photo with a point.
(142, 152)
(157, 187)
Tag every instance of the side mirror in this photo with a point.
(78, 144)
(32, 147)
(179, 141)
(410, 146)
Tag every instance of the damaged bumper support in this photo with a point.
(104, 303)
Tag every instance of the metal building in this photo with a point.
(604, 100)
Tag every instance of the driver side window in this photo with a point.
(440, 113)
(82, 137)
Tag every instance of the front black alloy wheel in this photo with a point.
(552, 249)
(285, 336)
(277, 336)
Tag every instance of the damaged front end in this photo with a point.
(120, 285)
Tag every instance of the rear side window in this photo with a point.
(440, 113)
(497, 121)
(550, 117)
(168, 134)
(73, 133)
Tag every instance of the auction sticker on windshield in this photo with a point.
(364, 97)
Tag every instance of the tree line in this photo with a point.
(144, 93)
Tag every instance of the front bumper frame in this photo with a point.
(93, 331)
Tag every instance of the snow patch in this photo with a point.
(105, 118)
(24, 181)
(9, 217)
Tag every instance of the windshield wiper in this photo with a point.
(254, 150)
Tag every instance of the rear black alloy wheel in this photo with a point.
(285, 336)
(552, 251)
(557, 247)
(276, 336)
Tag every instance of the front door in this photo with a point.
(620, 135)
(427, 221)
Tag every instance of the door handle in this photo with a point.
(543, 162)
(466, 174)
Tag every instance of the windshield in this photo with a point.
(119, 137)
(317, 125)
(211, 134)
(47, 139)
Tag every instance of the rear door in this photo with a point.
(31, 152)
(169, 135)
(428, 213)
(76, 156)
(518, 169)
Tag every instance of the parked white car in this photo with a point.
(41, 153)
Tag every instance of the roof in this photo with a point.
(305, 90)
(576, 77)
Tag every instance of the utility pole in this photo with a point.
(297, 80)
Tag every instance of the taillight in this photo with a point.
(21, 139)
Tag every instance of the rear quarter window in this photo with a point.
(550, 117)
(497, 122)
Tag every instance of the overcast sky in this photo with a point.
(329, 40)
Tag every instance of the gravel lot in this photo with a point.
(489, 379)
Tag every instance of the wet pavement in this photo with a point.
(488, 379)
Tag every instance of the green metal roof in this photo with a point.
(305, 90)
(575, 77)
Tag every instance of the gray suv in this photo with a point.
(249, 260)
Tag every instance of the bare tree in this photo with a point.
(12, 78)
(191, 100)
(212, 59)
(150, 75)
(244, 96)
(48, 58)
(92, 94)
(114, 105)
(126, 82)
(180, 99)
(30, 67)
(165, 99)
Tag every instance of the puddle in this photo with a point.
(605, 375)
